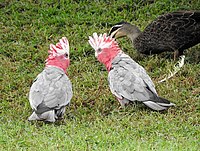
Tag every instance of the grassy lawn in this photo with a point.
(94, 120)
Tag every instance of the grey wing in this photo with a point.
(61, 91)
(130, 65)
(59, 94)
(145, 77)
(37, 91)
(129, 81)
(124, 84)
(50, 92)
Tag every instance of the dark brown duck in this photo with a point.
(174, 31)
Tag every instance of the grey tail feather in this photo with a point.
(159, 105)
(46, 116)
(33, 117)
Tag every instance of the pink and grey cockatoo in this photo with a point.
(51, 91)
(128, 81)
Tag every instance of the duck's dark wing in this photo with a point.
(170, 32)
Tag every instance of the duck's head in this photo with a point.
(122, 29)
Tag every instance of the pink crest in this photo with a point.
(102, 41)
(106, 48)
(60, 48)
(59, 54)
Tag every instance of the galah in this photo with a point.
(51, 91)
(128, 81)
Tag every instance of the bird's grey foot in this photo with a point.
(123, 102)
(177, 67)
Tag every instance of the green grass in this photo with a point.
(94, 120)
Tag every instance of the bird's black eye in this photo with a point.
(66, 55)
(99, 50)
